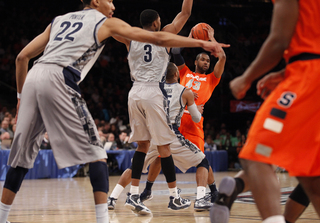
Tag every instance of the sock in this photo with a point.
(274, 219)
(239, 185)
(117, 191)
(102, 215)
(149, 185)
(134, 190)
(173, 192)
(4, 212)
(201, 192)
(213, 187)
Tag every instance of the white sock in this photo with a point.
(173, 192)
(117, 191)
(275, 219)
(102, 215)
(134, 190)
(201, 192)
(4, 212)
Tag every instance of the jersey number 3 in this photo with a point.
(193, 84)
(66, 25)
(148, 57)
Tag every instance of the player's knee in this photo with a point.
(99, 176)
(299, 196)
(204, 163)
(14, 178)
(168, 169)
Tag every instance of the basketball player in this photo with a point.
(202, 85)
(148, 106)
(185, 154)
(50, 97)
(285, 131)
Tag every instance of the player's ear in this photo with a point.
(95, 2)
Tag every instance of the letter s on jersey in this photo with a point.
(286, 99)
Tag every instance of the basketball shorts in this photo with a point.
(184, 153)
(286, 128)
(49, 104)
(192, 131)
(148, 114)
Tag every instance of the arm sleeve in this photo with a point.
(176, 53)
(194, 112)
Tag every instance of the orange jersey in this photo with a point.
(306, 37)
(201, 84)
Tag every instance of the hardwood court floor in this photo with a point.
(71, 200)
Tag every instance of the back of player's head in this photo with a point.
(171, 71)
(199, 55)
(147, 17)
(86, 2)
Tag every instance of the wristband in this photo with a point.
(18, 95)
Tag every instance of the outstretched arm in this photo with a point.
(180, 20)
(114, 26)
(284, 19)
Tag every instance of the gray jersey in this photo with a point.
(176, 105)
(70, 46)
(147, 62)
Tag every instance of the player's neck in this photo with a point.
(171, 81)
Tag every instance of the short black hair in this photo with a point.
(171, 70)
(199, 55)
(147, 17)
(86, 2)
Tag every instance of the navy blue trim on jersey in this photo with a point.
(278, 113)
(71, 79)
(182, 106)
(94, 32)
(165, 104)
(304, 56)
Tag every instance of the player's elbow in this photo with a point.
(196, 119)
(22, 57)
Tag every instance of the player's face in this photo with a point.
(106, 7)
(203, 63)
(158, 24)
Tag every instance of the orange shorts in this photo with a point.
(192, 131)
(286, 129)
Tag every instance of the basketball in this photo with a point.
(199, 31)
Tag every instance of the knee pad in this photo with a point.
(299, 196)
(14, 178)
(99, 176)
(204, 163)
(137, 164)
(168, 169)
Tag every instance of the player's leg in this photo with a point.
(312, 189)
(124, 180)
(168, 169)
(297, 202)
(133, 198)
(154, 171)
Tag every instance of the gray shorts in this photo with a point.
(148, 113)
(185, 154)
(49, 104)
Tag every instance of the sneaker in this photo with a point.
(133, 203)
(220, 211)
(177, 203)
(146, 195)
(211, 197)
(111, 203)
(202, 204)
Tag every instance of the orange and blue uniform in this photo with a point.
(203, 85)
(286, 129)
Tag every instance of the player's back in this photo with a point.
(73, 42)
(147, 62)
(176, 105)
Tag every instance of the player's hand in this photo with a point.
(239, 86)
(195, 95)
(200, 108)
(18, 105)
(268, 83)
(214, 47)
(210, 31)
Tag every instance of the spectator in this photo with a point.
(218, 142)
(5, 128)
(5, 140)
(45, 142)
(209, 144)
(123, 141)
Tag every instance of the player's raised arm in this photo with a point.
(114, 26)
(181, 18)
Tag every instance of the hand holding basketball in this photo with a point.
(200, 31)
